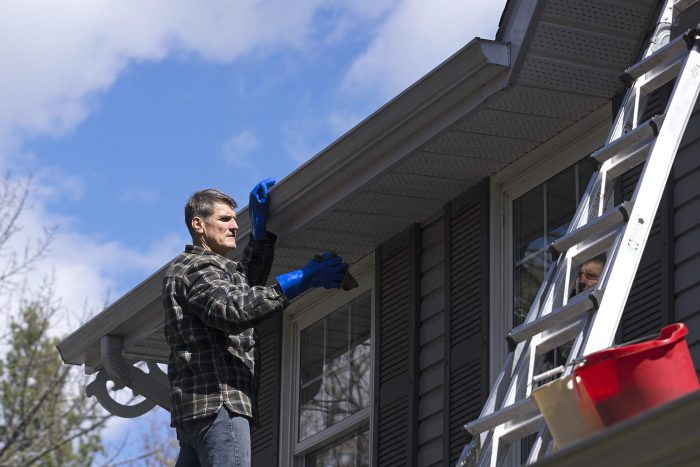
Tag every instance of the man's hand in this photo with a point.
(258, 208)
(326, 270)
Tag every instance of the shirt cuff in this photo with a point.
(282, 297)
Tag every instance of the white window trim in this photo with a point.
(547, 160)
(301, 313)
(538, 166)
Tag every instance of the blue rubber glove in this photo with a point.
(259, 207)
(326, 270)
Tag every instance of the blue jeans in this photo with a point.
(217, 441)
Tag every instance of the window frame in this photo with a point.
(576, 143)
(540, 165)
(301, 314)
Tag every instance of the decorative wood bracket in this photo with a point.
(152, 385)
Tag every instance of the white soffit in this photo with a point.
(584, 46)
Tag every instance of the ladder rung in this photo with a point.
(662, 59)
(601, 223)
(630, 141)
(622, 164)
(518, 409)
(548, 374)
(552, 340)
(654, 79)
(578, 305)
(518, 430)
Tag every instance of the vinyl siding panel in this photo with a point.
(431, 345)
(685, 186)
(686, 227)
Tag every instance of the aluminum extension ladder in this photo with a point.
(590, 318)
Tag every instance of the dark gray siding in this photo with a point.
(685, 192)
(686, 228)
(432, 345)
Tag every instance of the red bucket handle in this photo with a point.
(669, 335)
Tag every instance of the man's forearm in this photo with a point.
(258, 257)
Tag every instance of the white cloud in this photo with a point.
(417, 37)
(86, 271)
(237, 150)
(57, 56)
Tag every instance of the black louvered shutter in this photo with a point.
(467, 304)
(396, 379)
(265, 438)
(650, 301)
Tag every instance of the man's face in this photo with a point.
(218, 231)
(588, 275)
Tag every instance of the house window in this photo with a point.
(351, 451)
(333, 381)
(539, 217)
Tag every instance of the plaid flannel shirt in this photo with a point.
(211, 305)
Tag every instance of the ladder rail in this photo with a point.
(646, 201)
(589, 321)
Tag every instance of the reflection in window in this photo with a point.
(335, 367)
(351, 451)
(541, 216)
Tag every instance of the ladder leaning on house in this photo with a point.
(590, 318)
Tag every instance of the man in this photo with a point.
(211, 306)
(589, 273)
(588, 276)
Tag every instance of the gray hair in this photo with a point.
(201, 204)
(601, 258)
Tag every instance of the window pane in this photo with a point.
(335, 367)
(528, 221)
(312, 410)
(351, 451)
(312, 352)
(359, 356)
(528, 277)
(585, 169)
(541, 216)
(561, 203)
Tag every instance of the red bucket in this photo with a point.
(626, 380)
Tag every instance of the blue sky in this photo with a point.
(119, 110)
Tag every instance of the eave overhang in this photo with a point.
(439, 99)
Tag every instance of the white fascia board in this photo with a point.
(425, 109)
(139, 310)
(519, 19)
